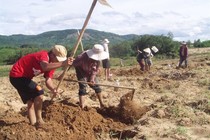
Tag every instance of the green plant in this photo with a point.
(181, 130)
(175, 111)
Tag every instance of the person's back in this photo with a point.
(140, 56)
(183, 53)
(140, 59)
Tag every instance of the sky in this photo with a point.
(185, 19)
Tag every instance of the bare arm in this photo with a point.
(50, 66)
(49, 84)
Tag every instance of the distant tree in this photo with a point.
(165, 44)
(198, 44)
(206, 43)
(170, 35)
(21, 51)
(121, 50)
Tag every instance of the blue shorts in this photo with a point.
(26, 88)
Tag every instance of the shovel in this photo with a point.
(116, 87)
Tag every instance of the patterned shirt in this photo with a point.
(87, 67)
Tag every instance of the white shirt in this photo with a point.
(106, 48)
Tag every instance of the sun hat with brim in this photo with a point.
(97, 53)
(147, 50)
(60, 52)
(155, 49)
(183, 43)
(106, 40)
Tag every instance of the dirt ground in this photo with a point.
(168, 104)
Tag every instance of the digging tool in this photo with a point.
(89, 83)
(80, 41)
(103, 2)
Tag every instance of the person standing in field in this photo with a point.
(106, 62)
(183, 54)
(87, 67)
(31, 65)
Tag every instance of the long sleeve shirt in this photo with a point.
(183, 52)
(87, 67)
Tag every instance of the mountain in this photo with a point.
(64, 37)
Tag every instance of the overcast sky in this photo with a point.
(186, 19)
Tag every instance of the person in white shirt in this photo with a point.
(106, 62)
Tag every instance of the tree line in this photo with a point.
(166, 45)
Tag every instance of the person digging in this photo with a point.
(34, 64)
(87, 67)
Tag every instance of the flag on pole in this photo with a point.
(104, 2)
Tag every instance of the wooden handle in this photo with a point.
(84, 82)
(78, 41)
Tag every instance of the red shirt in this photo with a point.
(29, 66)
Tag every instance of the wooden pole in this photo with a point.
(78, 41)
(115, 86)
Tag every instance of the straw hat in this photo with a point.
(97, 53)
(147, 50)
(60, 52)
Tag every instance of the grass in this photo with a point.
(130, 61)
(4, 70)
(181, 130)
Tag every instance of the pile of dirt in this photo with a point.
(65, 120)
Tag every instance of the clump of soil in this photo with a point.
(128, 111)
(131, 110)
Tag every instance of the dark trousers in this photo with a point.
(183, 60)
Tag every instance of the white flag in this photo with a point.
(104, 2)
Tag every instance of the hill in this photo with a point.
(65, 37)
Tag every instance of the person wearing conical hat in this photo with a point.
(87, 67)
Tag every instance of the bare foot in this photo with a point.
(42, 125)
